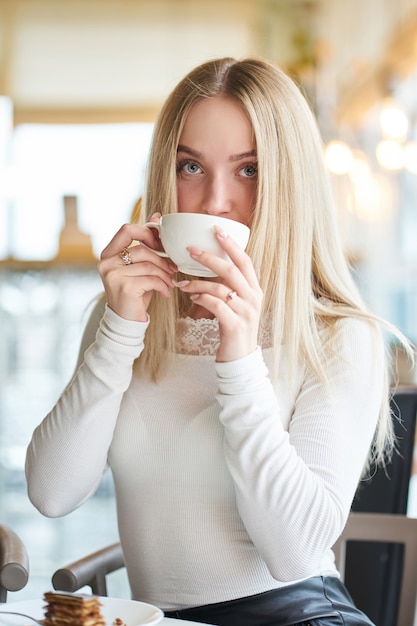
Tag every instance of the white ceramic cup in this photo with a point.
(177, 231)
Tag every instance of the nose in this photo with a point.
(217, 197)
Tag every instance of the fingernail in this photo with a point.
(194, 296)
(194, 251)
(180, 283)
(157, 214)
(220, 232)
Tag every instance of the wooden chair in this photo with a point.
(90, 571)
(393, 529)
(14, 562)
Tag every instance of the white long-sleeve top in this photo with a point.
(227, 484)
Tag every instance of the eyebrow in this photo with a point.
(199, 155)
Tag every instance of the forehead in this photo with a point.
(220, 118)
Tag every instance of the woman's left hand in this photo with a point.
(236, 300)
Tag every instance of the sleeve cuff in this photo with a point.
(242, 376)
(122, 331)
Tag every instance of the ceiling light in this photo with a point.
(393, 120)
(338, 157)
(390, 154)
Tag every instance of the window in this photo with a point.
(43, 311)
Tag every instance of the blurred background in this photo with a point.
(81, 82)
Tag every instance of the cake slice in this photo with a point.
(72, 609)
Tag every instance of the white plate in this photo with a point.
(131, 612)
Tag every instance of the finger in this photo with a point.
(148, 269)
(218, 307)
(126, 235)
(140, 254)
(241, 278)
(239, 257)
(122, 239)
(133, 280)
(149, 265)
(200, 287)
(156, 217)
(247, 303)
(147, 283)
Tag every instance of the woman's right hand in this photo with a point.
(129, 287)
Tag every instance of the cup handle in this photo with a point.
(158, 228)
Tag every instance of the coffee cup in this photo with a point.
(177, 231)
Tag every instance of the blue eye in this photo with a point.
(188, 167)
(250, 171)
(191, 168)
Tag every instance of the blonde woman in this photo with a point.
(236, 414)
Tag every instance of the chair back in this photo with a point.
(387, 491)
(14, 562)
(90, 571)
(394, 529)
(373, 569)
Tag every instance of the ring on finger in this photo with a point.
(231, 295)
(125, 256)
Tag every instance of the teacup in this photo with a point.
(177, 231)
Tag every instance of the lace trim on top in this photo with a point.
(201, 337)
(197, 337)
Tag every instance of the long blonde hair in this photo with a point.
(294, 245)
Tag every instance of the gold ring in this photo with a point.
(231, 295)
(125, 256)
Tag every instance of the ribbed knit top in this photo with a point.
(227, 483)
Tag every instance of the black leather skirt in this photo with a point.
(317, 601)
